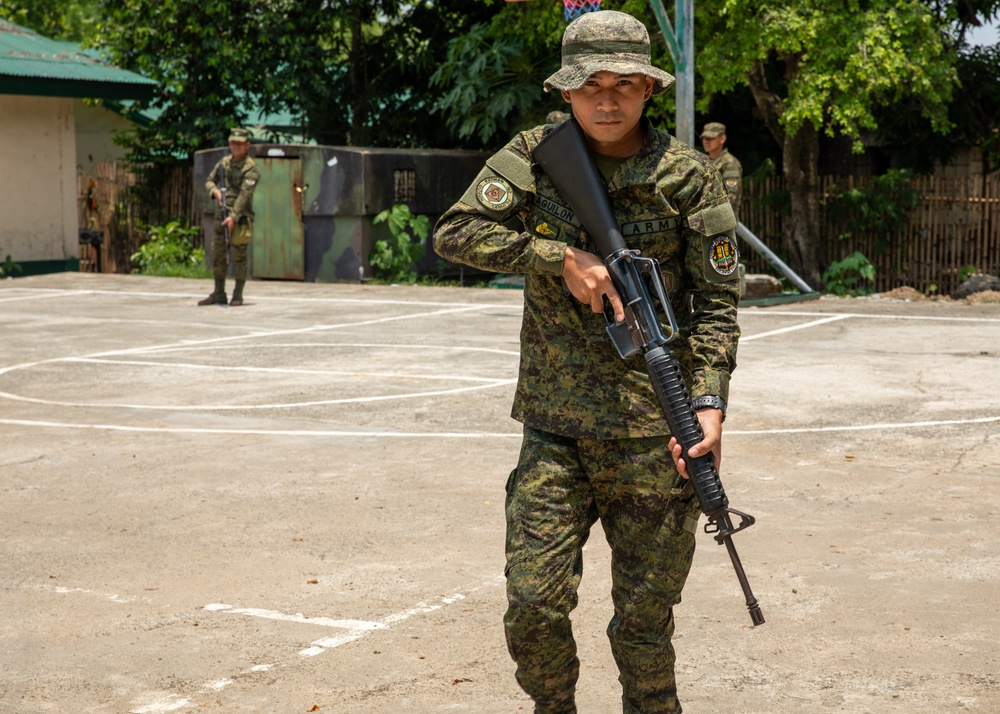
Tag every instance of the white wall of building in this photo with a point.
(38, 179)
(95, 131)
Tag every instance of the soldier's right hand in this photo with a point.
(589, 282)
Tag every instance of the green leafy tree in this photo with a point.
(209, 59)
(822, 66)
(55, 19)
(356, 71)
(363, 73)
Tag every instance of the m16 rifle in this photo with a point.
(222, 198)
(564, 158)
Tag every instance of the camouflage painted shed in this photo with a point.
(314, 205)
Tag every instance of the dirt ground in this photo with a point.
(296, 506)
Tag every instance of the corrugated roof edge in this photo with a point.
(35, 65)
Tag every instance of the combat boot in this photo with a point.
(237, 294)
(218, 297)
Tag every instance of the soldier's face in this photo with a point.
(608, 107)
(713, 144)
(239, 149)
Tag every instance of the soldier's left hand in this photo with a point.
(711, 427)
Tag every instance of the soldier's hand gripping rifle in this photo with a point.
(564, 158)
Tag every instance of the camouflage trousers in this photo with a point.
(220, 259)
(649, 514)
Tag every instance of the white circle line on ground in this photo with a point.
(283, 370)
(473, 435)
(259, 432)
(257, 407)
(55, 293)
(168, 701)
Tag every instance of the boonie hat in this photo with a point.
(713, 129)
(239, 135)
(609, 41)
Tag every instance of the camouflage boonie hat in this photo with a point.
(605, 41)
(713, 129)
(239, 135)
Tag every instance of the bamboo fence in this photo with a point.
(121, 204)
(953, 231)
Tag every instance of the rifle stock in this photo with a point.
(565, 159)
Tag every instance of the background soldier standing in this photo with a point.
(241, 177)
(596, 444)
(713, 139)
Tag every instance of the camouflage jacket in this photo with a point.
(732, 175)
(241, 180)
(672, 206)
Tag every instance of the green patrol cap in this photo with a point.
(239, 135)
(605, 41)
(713, 129)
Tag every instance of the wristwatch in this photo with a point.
(710, 402)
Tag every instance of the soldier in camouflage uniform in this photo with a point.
(713, 139)
(242, 175)
(596, 445)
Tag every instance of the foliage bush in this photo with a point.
(852, 276)
(393, 260)
(171, 252)
(8, 269)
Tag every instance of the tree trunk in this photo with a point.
(358, 70)
(800, 155)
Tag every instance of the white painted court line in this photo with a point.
(865, 427)
(158, 702)
(472, 434)
(283, 370)
(248, 407)
(56, 292)
(203, 344)
(865, 316)
(793, 328)
(265, 432)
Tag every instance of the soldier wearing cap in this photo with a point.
(596, 445)
(713, 139)
(241, 177)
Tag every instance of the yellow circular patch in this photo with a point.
(495, 193)
(723, 255)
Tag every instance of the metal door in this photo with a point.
(278, 238)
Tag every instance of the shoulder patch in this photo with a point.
(722, 256)
(494, 193)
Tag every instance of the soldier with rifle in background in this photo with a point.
(713, 140)
(597, 444)
(231, 184)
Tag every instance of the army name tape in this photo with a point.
(495, 193)
(723, 255)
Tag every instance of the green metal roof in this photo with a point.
(35, 65)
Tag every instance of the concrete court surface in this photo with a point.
(297, 506)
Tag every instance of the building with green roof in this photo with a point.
(41, 84)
